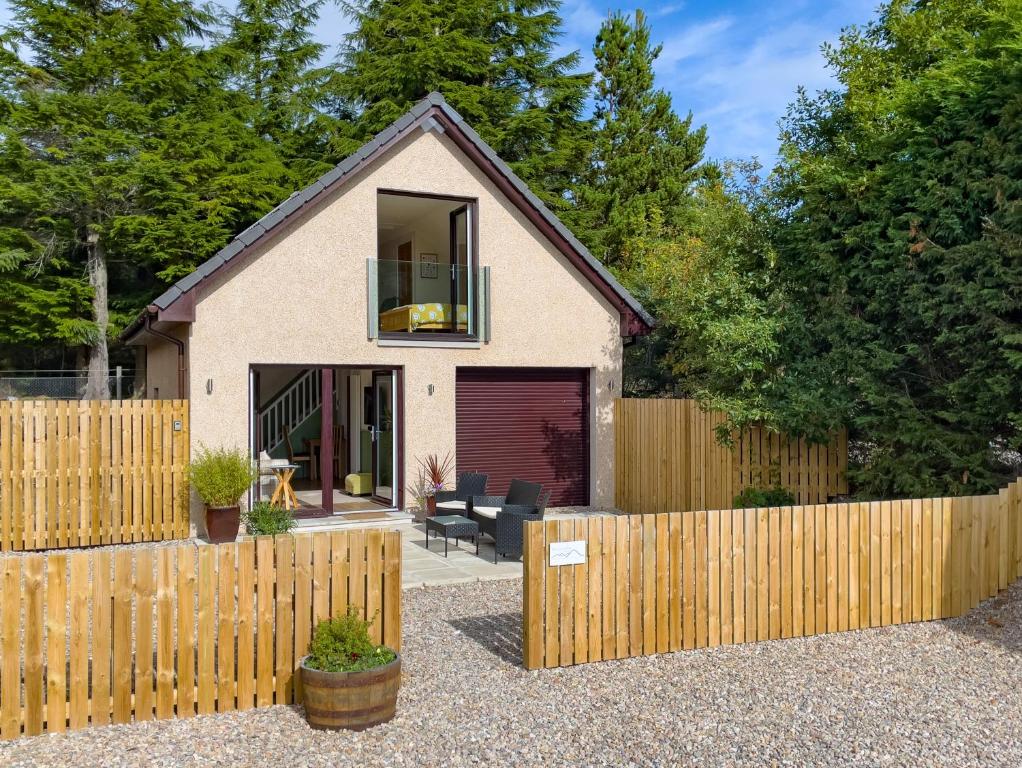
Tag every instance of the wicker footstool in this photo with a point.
(453, 527)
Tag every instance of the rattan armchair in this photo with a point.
(503, 517)
(458, 501)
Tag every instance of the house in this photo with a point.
(431, 299)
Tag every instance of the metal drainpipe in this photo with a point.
(181, 369)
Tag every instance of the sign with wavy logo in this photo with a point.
(567, 553)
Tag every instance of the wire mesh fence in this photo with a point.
(62, 385)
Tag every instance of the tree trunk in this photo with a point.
(98, 385)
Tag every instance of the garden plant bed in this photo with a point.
(946, 693)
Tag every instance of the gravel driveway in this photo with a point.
(944, 693)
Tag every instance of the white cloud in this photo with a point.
(738, 74)
(695, 41)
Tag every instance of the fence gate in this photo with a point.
(76, 473)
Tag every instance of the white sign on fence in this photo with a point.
(568, 553)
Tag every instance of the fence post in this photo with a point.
(118, 382)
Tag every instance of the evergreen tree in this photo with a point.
(902, 195)
(646, 158)
(492, 60)
(272, 58)
(122, 164)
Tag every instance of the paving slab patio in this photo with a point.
(428, 567)
(422, 567)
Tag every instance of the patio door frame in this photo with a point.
(326, 435)
(384, 374)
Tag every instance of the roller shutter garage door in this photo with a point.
(529, 423)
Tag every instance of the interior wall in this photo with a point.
(429, 233)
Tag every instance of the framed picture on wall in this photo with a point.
(428, 266)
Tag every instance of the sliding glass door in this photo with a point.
(383, 432)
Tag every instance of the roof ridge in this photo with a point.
(299, 199)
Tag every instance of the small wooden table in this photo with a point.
(284, 493)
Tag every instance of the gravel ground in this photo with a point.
(943, 693)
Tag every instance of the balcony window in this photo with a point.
(425, 282)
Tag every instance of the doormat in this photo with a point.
(367, 516)
(353, 506)
(305, 513)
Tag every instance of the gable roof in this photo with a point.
(433, 113)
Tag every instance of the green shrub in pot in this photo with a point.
(220, 477)
(348, 681)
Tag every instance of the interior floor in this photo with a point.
(312, 499)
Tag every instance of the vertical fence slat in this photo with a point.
(56, 643)
(10, 652)
(186, 618)
(246, 608)
(144, 594)
(595, 560)
(34, 586)
(579, 589)
(738, 573)
(688, 587)
(207, 582)
(165, 590)
(727, 583)
(285, 614)
(609, 618)
(79, 634)
(551, 608)
(225, 607)
(264, 608)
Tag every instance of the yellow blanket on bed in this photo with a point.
(427, 317)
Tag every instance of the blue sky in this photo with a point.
(735, 65)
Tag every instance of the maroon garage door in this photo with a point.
(529, 423)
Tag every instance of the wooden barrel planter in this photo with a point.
(350, 700)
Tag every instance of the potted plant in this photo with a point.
(347, 680)
(220, 477)
(437, 471)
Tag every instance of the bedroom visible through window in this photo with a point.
(426, 281)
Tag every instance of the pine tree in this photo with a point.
(123, 163)
(646, 158)
(493, 61)
(273, 60)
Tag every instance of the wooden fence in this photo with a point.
(667, 459)
(77, 473)
(101, 636)
(665, 582)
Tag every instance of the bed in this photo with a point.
(422, 317)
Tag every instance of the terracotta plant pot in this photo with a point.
(222, 524)
(350, 700)
(431, 506)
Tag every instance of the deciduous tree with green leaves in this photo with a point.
(123, 163)
(720, 307)
(901, 191)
